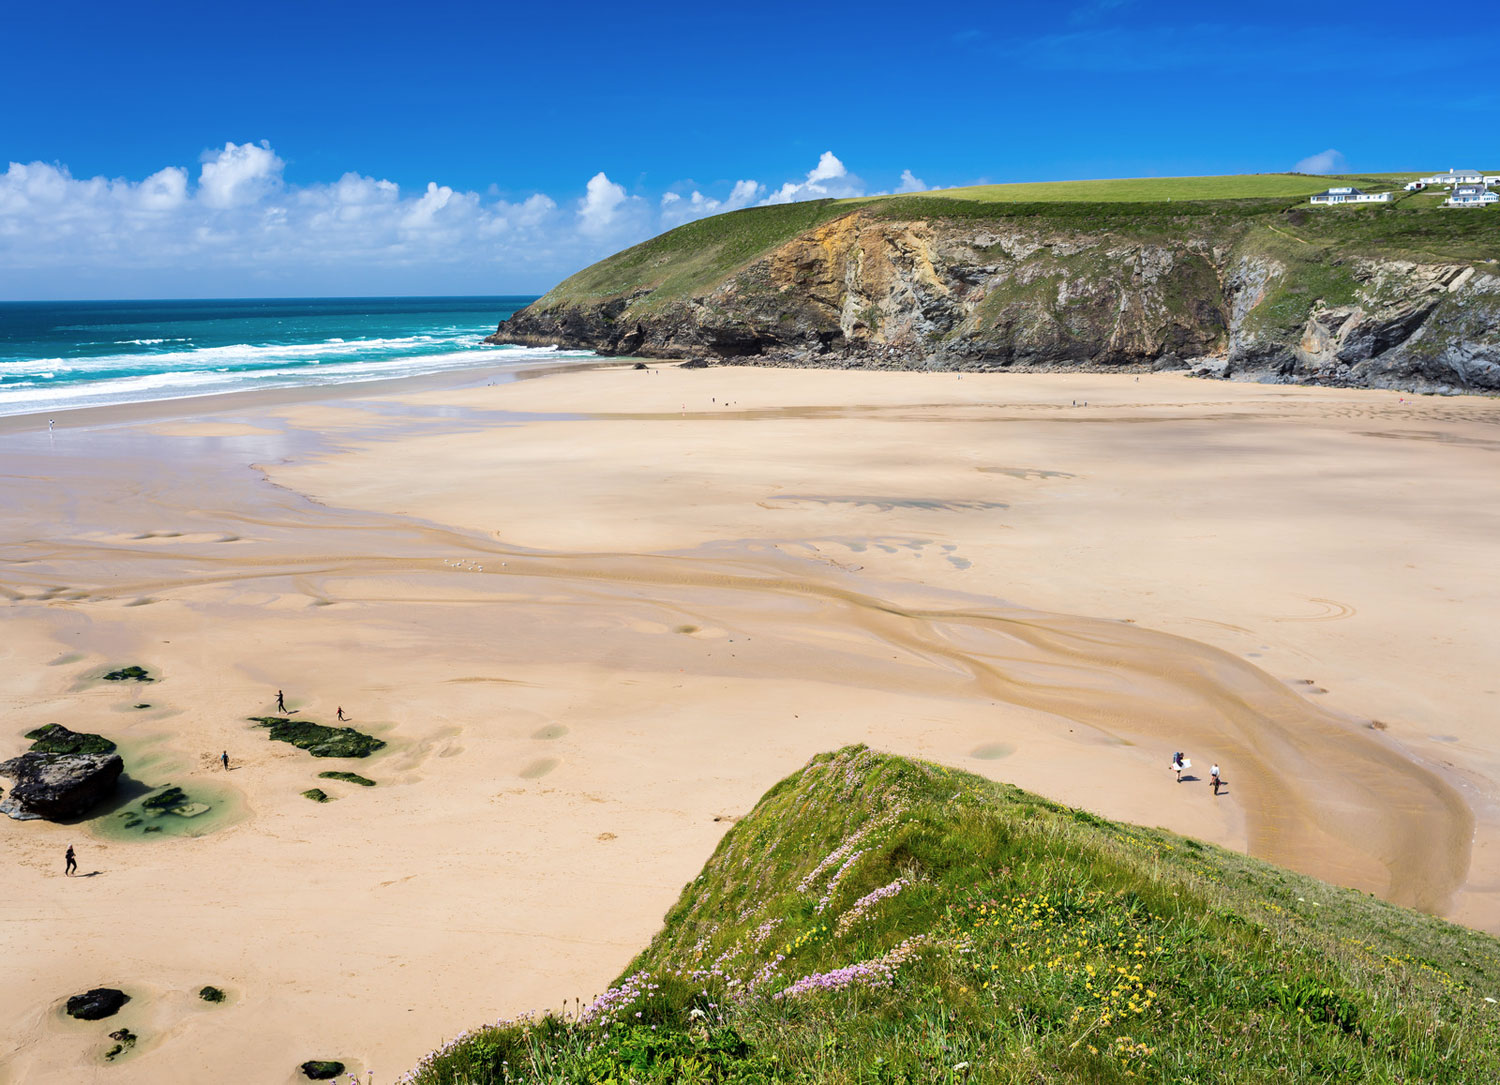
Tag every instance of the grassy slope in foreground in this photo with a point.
(877, 919)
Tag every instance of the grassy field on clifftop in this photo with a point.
(877, 919)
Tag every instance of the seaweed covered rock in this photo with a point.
(316, 794)
(55, 738)
(322, 1069)
(348, 778)
(97, 1004)
(318, 739)
(129, 674)
(124, 1040)
(211, 994)
(55, 787)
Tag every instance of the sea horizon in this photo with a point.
(62, 355)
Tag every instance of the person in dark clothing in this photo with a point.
(280, 701)
(224, 757)
(71, 861)
(341, 714)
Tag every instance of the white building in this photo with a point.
(1457, 177)
(1347, 194)
(1471, 195)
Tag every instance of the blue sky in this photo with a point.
(186, 149)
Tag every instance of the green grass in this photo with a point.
(1148, 189)
(1017, 941)
(703, 252)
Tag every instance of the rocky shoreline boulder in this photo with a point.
(97, 1004)
(56, 787)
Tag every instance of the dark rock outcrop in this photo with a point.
(97, 1004)
(56, 787)
(322, 1069)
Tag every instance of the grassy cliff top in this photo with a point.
(877, 919)
(692, 259)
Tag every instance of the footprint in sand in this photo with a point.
(552, 730)
(539, 768)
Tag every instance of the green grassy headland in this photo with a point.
(877, 919)
(691, 260)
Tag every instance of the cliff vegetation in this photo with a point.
(877, 919)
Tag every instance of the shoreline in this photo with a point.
(597, 616)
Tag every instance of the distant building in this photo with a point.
(1471, 195)
(1457, 177)
(1415, 186)
(1347, 194)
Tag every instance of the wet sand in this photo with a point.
(598, 614)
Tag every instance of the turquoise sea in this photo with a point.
(58, 355)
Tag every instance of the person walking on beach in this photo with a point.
(224, 757)
(1179, 762)
(341, 713)
(280, 701)
(1213, 778)
(70, 864)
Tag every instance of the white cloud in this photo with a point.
(243, 229)
(910, 182)
(601, 201)
(677, 209)
(239, 174)
(1329, 161)
(828, 179)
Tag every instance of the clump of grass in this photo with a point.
(348, 778)
(316, 794)
(877, 919)
(129, 674)
(55, 738)
(318, 739)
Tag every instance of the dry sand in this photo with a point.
(597, 615)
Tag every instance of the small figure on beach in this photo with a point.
(1179, 762)
(342, 717)
(70, 863)
(1213, 778)
(280, 701)
(224, 757)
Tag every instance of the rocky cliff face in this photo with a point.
(1227, 299)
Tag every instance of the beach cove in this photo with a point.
(595, 615)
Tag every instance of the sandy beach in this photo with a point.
(595, 615)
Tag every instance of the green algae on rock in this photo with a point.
(124, 1041)
(211, 994)
(318, 739)
(348, 778)
(316, 794)
(129, 674)
(55, 738)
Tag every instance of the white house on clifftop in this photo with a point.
(1347, 194)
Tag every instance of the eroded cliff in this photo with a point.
(1248, 290)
